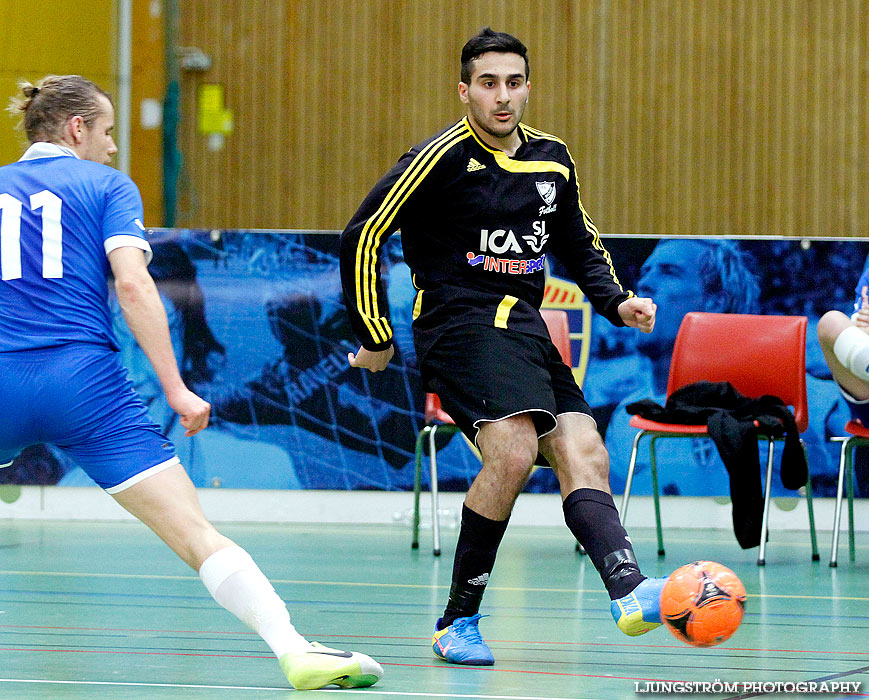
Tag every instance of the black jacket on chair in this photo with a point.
(734, 423)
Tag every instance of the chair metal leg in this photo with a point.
(812, 532)
(813, 535)
(630, 477)
(837, 517)
(653, 466)
(417, 477)
(849, 489)
(435, 518)
(764, 527)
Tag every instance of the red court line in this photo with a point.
(425, 639)
(253, 656)
(123, 629)
(142, 653)
(523, 672)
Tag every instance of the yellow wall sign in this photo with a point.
(212, 116)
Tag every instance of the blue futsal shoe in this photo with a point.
(461, 643)
(640, 610)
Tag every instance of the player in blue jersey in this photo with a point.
(66, 219)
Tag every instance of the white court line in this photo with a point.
(363, 584)
(367, 691)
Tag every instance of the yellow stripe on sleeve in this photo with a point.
(378, 224)
(589, 224)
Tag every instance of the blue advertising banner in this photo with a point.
(259, 327)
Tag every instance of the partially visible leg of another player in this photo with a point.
(846, 349)
(167, 503)
(576, 452)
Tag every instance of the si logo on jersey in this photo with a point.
(538, 239)
(546, 190)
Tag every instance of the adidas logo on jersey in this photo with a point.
(474, 164)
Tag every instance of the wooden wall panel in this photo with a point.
(38, 37)
(148, 82)
(684, 116)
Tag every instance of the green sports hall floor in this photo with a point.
(104, 610)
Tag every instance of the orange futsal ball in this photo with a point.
(702, 603)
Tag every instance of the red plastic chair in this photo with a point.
(858, 435)
(438, 422)
(757, 354)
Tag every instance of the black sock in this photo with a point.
(593, 519)
(478, 543)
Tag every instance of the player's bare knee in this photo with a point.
(593, 458)
(830, 325)
(516, 460)
(591, 447)
(600, 460)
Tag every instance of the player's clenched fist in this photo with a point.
(194, 411)
(372, 360)
(638, 312)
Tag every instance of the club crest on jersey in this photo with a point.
(546, 190)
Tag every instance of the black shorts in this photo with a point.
(482, 373)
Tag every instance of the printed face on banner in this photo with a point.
(261, 332)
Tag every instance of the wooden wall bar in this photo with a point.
(148, 83)
(706, 117)
(38, 38)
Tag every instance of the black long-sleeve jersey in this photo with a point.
(476, 227)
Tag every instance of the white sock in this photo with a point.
(852, 350)
(235, 581)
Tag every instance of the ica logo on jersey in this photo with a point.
(500, 241)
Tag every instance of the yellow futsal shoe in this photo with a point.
(640, 610)
(322, 666)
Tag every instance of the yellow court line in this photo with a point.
(529, 589)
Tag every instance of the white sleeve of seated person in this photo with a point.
(852, 350)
